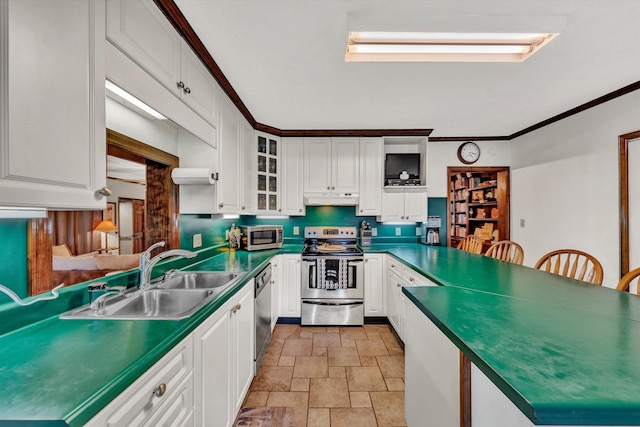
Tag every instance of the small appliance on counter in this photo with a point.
(234, 236)
(365, 234)
(257, 237)
(431, 231)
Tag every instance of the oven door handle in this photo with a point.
(333, 303)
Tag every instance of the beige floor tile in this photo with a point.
(390, 340)
(313, 328)
(333, 329)
(307, 335)
(368, 361)
(297, 400)
(270, 359)
(319, 351)
(319, 417)
(301, 384)
(343, 356)
(297, 347)
(391, 366)
(337, 372)
(287, 361)
(389, 408)
(360, 399)
(347, 342)
(326, 339)
(354, 333)
(282, 331)
(256, 398)
(310, 367)
(273, 378)
(394, 384)
(376, 328)
(328, 393)
(396, 352)
(367, 348)
(373, 336)
(276, 342)
(365, 379)
(353, 417)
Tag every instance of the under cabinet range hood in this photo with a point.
(334, 199)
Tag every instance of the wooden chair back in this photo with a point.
(506, 250)
(471, 244)
(625, 281)
(572, 263)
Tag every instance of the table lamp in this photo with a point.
(105, 227)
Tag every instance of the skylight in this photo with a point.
(443, 47)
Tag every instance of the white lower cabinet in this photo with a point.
(161, 396)
(290, 285)
(395, 299)
(224, 360)
(276, 289)
(374, 291)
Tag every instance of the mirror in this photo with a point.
(629, 152)
(159, 213)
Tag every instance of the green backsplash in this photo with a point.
(13, 234)
(213, 228)
(13, 253)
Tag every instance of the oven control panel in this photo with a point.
(324, 232)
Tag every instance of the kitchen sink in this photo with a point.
(178, 296)
(199, 280)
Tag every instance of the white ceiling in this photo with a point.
(285, 59)
(126, 170)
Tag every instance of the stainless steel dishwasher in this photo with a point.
(262, 314)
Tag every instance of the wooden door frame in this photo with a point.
(623, 167)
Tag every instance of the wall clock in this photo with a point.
(468, 152)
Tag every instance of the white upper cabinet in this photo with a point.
(230, 164)
(331, 165)
(143, 33)
(291, 177)
(267, 152)
(248, 169)
(371, 177)
(408, 205)
(52, 117)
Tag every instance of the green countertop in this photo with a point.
(562, 350)
(63, 372)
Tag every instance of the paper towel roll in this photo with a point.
(193, 176)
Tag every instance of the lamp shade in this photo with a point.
(106, 226)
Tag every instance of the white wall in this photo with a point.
(440, 155)
(564, 184)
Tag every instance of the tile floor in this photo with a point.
(351, 376)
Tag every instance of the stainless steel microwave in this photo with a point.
(256, 237)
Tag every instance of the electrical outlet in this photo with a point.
(398, 231)
(296, 230)
(197, 240)
(418, 231)
(374, 231)
(522, 223)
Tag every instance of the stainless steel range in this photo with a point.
(332, 277)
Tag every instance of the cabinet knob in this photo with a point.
(104, 192)
(221, 205)
(328, 188)
(160, 390)
(187, 90)
(279, 210)
(243, 208)
(180, 85)
(299, 210)
(361, 210)
(411, 279)
(393, 266)
(398, 284)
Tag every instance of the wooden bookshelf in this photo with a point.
(478, 203)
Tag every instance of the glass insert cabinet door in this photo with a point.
(267, 173)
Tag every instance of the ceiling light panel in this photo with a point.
(443, 47)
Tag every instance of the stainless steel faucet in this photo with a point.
(147, 263)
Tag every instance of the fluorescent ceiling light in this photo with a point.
(19, 212)
(125, 97)
(230, 216)
(443, 47)
(272, 216)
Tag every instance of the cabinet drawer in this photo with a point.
(137, 404)
(178, 409)
(416, 279)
